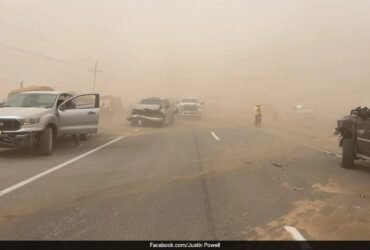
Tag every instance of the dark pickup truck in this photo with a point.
(354, 132)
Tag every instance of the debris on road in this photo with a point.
(362, 195)
(297, 189)
(277, 165)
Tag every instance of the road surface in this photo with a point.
(191, 181)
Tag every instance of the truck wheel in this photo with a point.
(348, 153)
(84, 137)
(46, 141)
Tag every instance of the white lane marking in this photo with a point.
(215, 136)
(49, 171)
(295, 233)
(304, 144)
(307, 145)
(297, 236)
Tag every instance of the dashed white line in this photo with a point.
(51, 170)
(215, 136)
(295, 233)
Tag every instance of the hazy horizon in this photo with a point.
(265, 51)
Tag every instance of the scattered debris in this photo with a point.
(297, 189)
(287, 185)
(362, 195)
(277, 165)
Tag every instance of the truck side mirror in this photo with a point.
(62, 107)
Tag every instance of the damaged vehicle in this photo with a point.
(38, 118)
(154, 111)
(354, 134)
(190, 107)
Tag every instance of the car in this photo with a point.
(37, 118)
(354, 134)
(190, 107)
(303, 112)
(153, 110)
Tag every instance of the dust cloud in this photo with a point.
(242, 52)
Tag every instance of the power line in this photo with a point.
(33, 34)
(32, 53)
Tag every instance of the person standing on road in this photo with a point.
(257, 116)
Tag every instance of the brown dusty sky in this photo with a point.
(268, 51)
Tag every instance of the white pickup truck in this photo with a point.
(190, 107)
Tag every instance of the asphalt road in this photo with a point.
(190, 181)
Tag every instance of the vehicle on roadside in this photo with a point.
(38, 118)
(112, 110)
(190, 107)
(153, 110)
(302, 112)
(354, 134)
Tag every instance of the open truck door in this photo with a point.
(79, 115)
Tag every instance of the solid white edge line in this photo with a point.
(51, 170)
(215, 136)
(295, 233)
(297, 236)
(304, 144)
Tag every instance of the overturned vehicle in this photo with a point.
(153, 111)
(354, 132)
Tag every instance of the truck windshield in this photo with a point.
(31, 100)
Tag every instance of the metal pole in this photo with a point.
(95, 69)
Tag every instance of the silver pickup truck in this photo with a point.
(37, 118)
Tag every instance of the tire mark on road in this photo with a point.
(207, 204)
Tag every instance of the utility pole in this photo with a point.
(95, 71)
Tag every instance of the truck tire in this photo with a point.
(46, 141)
(348, 153)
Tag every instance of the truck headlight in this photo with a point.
(29, 121)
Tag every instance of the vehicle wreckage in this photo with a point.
(153, 110)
